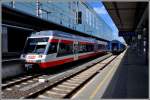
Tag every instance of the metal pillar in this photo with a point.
(38, 9)
(4, 39)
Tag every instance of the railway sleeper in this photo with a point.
(73, 81)
(60, 91)
(54, 94)
(65, 87)
(69, 84)
(43, 97)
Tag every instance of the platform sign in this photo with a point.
(126, 33)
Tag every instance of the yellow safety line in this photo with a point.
(101, 83)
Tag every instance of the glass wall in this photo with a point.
(76, 15)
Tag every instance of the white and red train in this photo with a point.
(51, 48)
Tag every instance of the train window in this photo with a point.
(40, 49)
(82, 48)
(65, 49)
(90, 47)
(52, 48)
(35, 45)
(28, 48)
(101, 47)
(86, 48)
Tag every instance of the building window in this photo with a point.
(79, 17)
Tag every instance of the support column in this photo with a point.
(4, 39)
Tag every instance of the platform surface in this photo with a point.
(131, 78)
(126, 77)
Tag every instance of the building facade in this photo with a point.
(77, 15)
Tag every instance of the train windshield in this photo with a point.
(36, 45)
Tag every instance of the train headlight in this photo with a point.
(40, 56)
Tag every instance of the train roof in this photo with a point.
(51, 33)
(116, 41)
(61, 34)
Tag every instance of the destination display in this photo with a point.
(126, 33)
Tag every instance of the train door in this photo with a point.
(75, 50)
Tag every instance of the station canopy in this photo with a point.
(126, 15)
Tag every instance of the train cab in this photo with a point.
(48, 49)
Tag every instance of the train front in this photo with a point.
(34, 52)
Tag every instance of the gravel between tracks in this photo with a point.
(15, 93)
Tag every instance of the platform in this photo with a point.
(126, 77)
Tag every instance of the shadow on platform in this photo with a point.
(130, 79)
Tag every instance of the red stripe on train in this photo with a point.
(67, 41)
(90, 55)
(62, 41)
(53, 40)
(55, 63)
(60, 62)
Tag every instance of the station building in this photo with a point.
(76, 15)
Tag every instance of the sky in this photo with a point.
(102, 12)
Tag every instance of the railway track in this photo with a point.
(18, 80)
(62, 85)
(70, 85)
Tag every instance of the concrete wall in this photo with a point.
(12, 68)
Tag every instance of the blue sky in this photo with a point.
(102, 12)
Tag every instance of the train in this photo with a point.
(50, 48)
(116, 47)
